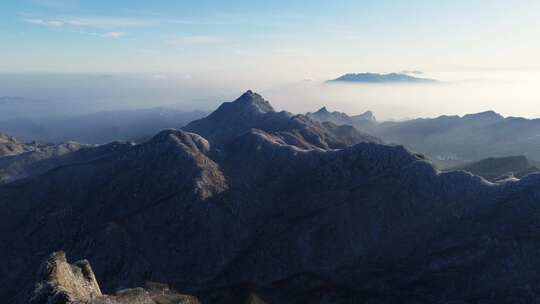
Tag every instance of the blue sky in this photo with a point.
(271, 39)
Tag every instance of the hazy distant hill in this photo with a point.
(452, 140)
(381, 78)
(101, 127)
(364, 121)
(494, 168)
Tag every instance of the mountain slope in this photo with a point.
(283, 224)
(47, 157)
(251, 111)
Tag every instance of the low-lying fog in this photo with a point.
(510, 93)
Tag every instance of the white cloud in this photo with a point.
(195, 40)
(102, 23)
(114, 35)
(54, 23)
(109, 35)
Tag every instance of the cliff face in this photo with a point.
(64, 283)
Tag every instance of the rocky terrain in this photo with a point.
(61, 282)
(239, 214)
(10, 146)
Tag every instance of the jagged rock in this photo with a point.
(64, 283)
(10, 146)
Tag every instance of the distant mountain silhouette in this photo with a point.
(364, 121)
(452, 140)
(100, 127)
(248, 217)
(495, 168)
(381, 78)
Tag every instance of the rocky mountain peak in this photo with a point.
(253, 101)
(368, 115)
(491, 115)
(322, 110)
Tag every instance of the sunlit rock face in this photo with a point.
(64, 283)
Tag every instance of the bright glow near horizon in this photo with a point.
(273, 46)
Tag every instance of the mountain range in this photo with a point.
(381, 78)
(364, 121)
(97, 128)
(499, 168)
(450, 141)
(267, 207)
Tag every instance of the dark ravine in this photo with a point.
(255, 219)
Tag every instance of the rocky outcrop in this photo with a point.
(10, 146)
(64, 283)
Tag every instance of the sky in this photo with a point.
(267, 45)
(283, 39)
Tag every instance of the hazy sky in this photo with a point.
(116, 54)
(271, 40)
